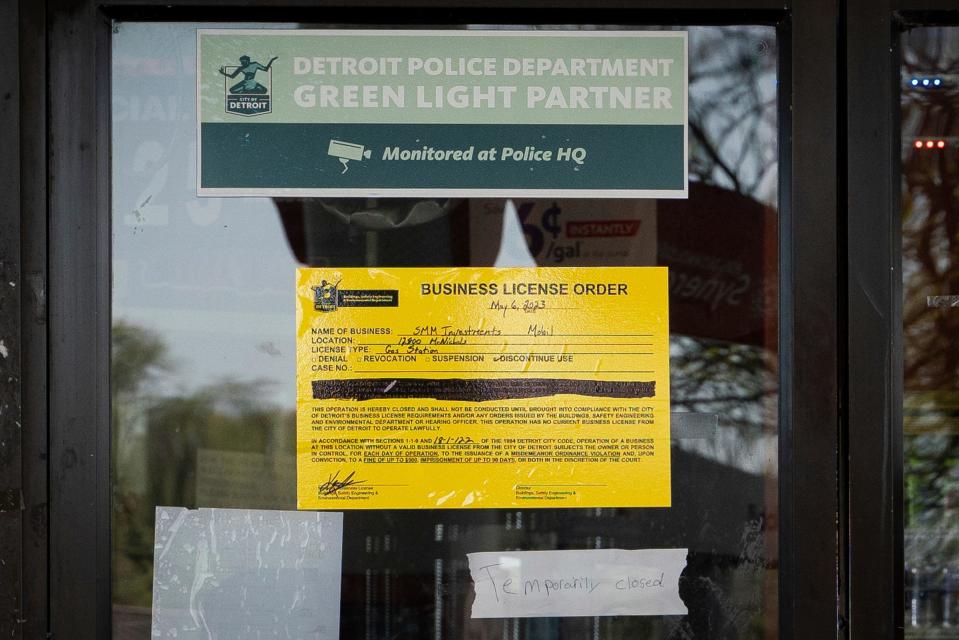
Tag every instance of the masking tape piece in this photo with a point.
(579, 582)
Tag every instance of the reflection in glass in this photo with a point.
(930, 267)
(203, 353)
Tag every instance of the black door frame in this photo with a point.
(61, 172)
(24, 583)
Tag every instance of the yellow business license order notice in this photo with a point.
(482, 387)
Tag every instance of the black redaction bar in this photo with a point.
(477, 390)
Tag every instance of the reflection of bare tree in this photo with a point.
(734, 145)
(726, 377)
(732, 118)
(161, 434)
(930, 232)
(930, 254)
(138, 360)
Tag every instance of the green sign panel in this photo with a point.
(442, 113)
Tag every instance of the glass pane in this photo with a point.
(930, 261)
(203, 355)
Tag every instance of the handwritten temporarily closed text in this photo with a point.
(588, 582)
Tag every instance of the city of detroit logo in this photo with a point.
(248, 97)
(329, 297)
(325, 296)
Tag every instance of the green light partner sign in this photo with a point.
(442, 113)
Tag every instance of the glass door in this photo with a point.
(203, 358)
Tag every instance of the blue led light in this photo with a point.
(925, 82)
(937, 81)
(915, 82)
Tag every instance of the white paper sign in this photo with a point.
(245, 574)
(587, 582)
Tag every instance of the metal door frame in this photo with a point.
(61, 575)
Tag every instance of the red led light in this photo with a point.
(930, 144)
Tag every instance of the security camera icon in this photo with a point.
(346, 151)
